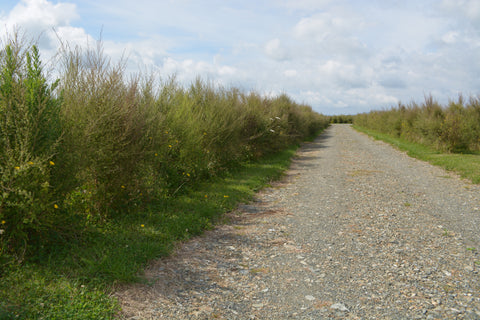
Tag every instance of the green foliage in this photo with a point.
(341, 119)
(105, 138)
(454, 128)
(29, 135)
(130, 141)
(72, 280)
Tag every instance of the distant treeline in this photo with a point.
(453, 128)
(341, 119)
(96, 144)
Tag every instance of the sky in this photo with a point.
(338, 56)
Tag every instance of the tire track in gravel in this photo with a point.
(357, 230)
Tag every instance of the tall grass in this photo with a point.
(453, 128)
(96, 145)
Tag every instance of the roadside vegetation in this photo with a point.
(100, 172)
(341, 119)
(447, 136)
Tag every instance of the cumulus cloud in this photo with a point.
(47, 24)
(40, 14)
(38, 18)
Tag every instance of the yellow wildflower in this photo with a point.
(55, 206)
(52, 163)
(142, 225)
(17, 168)
(188, 174)
(3, 222)
(30, 162)
(156, 154)
(123, 187)
(225, 196)
(169, 145)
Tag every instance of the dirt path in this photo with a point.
(357, 230)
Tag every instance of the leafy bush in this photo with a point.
(341, 119)
(94, 145)
(106, 134)
(29, 136)
(452, 128)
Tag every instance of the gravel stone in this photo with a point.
(354, 223)
(339, 307)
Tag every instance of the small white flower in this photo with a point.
(271, 130)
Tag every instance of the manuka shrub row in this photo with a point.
(94, 144)
(452, 128)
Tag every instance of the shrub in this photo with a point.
(29, 136)
(452, 128)
(93, 145)
(107, 135)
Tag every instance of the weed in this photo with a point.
(446, 233)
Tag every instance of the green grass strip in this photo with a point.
(73, 280)
(466, 165)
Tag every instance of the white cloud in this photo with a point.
(188, 70)
(275, 50)
(344, 75)
(450, 37)
(290, 73)
(304, 5)
(469, 9)
(41, 14)
(47, 24)
(227, 71)
(38, 17)
(321, 26)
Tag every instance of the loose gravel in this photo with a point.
(356, 230)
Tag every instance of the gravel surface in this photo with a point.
(356, 230)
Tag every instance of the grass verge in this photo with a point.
(466, 165)
(74, 279)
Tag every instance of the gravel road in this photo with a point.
(356, 230)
